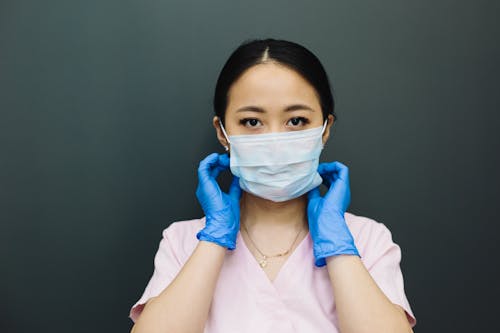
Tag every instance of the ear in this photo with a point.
(220, 135)
(326, 133)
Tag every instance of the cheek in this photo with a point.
(317, 120)
(230, 122)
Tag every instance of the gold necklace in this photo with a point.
(263, 261)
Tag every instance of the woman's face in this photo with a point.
(271, 98)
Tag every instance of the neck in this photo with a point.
(264, 215)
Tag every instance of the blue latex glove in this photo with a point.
(222, 210)
(327, 225)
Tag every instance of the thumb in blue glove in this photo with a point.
(222, 210)
(327, 224)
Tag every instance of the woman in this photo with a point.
(273, 254)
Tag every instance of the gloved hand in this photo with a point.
(222, 210)
(327, 225)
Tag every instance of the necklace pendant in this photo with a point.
(263, 262)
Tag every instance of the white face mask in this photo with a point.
(277, 166)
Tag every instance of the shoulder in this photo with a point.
(183, 228)
(180, 236)
(362, 225)
(369, 235)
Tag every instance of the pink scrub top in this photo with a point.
(300, 299)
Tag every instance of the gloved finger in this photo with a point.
(224, 160)
(337, 173)
(333, 171)
(223, 164)
(210, 167)
(326, 180)
(325, 171)
(328, 168)
(313, 194)
(235, 189)
(339, 190)
(336, 168)
(342, 171)
(214, 173)
(206, 166)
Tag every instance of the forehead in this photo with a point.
(271, 83)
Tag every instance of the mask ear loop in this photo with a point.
(225, 134)
(324, 126)
(322, 131)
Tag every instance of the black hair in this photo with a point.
(290, 54)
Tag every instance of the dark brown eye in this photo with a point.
(296, 121)
(250, 122)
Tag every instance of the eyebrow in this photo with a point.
(293, 107)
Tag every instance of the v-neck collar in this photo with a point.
(280, 283)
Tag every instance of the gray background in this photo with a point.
(105, 112)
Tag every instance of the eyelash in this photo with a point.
(303, 120)
(245, 121)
